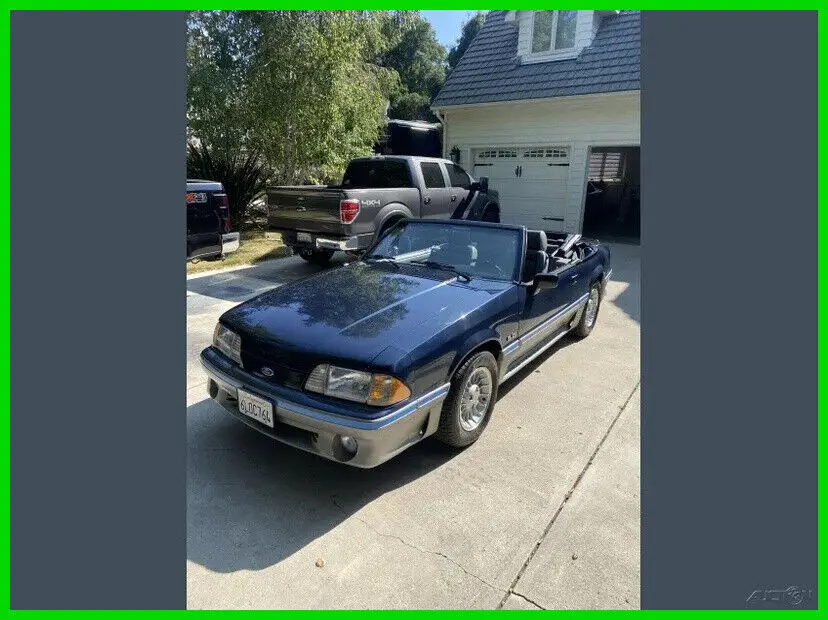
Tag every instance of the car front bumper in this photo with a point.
(318, 431)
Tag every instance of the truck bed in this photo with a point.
(308, 208)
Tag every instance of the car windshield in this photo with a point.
(469, 251)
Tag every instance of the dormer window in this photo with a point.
(553, 31)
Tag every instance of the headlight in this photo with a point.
(228, 342)
(362, 387)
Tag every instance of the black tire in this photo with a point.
(317, 257)
(584, 326)
(451, 429)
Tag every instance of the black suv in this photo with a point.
(208, 220)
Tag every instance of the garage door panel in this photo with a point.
(545, 172)
(531, 181)
(499, 171)
(527, 213)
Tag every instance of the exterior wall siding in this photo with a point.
(577, 122)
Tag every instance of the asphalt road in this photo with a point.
(543, 511)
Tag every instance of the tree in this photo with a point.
(317, 99)
(469, 30)
(419, 60)
(220, 50)
(299, 90)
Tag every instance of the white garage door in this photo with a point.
(531, 181)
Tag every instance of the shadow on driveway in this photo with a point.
(626, 269)
(252, 502)
(242, 284)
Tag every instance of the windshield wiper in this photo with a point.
(435, 265)
(382, 258)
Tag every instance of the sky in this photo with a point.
(447, 24)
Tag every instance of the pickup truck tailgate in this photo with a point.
(304, 208)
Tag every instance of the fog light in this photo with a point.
(349, 444)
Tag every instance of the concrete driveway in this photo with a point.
(542, 512)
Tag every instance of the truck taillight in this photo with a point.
(224, 211)
(348, 210)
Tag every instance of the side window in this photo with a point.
(432, 175)
(458, 176)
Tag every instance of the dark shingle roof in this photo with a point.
(490, 71)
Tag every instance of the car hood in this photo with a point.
(356, 311)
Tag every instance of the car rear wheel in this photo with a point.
(589, 316)
(317, 257)
(470, 401)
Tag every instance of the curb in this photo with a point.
(212, 272)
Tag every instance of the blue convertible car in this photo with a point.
(360, 362)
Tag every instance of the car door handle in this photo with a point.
(427, 200)
(574, 278)
(453, 197)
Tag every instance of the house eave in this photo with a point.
(511, 16)
(485, 104)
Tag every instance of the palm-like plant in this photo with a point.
(243, 175)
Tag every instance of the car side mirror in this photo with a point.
(483, 184)
(546, 280)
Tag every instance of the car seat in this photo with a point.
(537, 260)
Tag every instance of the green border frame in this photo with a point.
(5, 259)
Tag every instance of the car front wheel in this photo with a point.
(470, 401)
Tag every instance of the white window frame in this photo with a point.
(552, 53)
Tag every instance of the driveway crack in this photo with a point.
(566, 498)
(414, 547)
(527, 599)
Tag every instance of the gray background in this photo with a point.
(98, 395)
(729, 348)
(729, 306)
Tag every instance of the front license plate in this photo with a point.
(257, 408)
(304, 237)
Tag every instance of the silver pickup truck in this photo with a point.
(376, 192)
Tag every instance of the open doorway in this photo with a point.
(612, 204)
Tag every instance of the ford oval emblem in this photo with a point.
(267, 372)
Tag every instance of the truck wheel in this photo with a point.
(470, 401)
(317, 257)
(589, 315)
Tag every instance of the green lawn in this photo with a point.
(255, 247)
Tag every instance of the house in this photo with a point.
(546, 104)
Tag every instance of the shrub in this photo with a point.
(243, 175)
